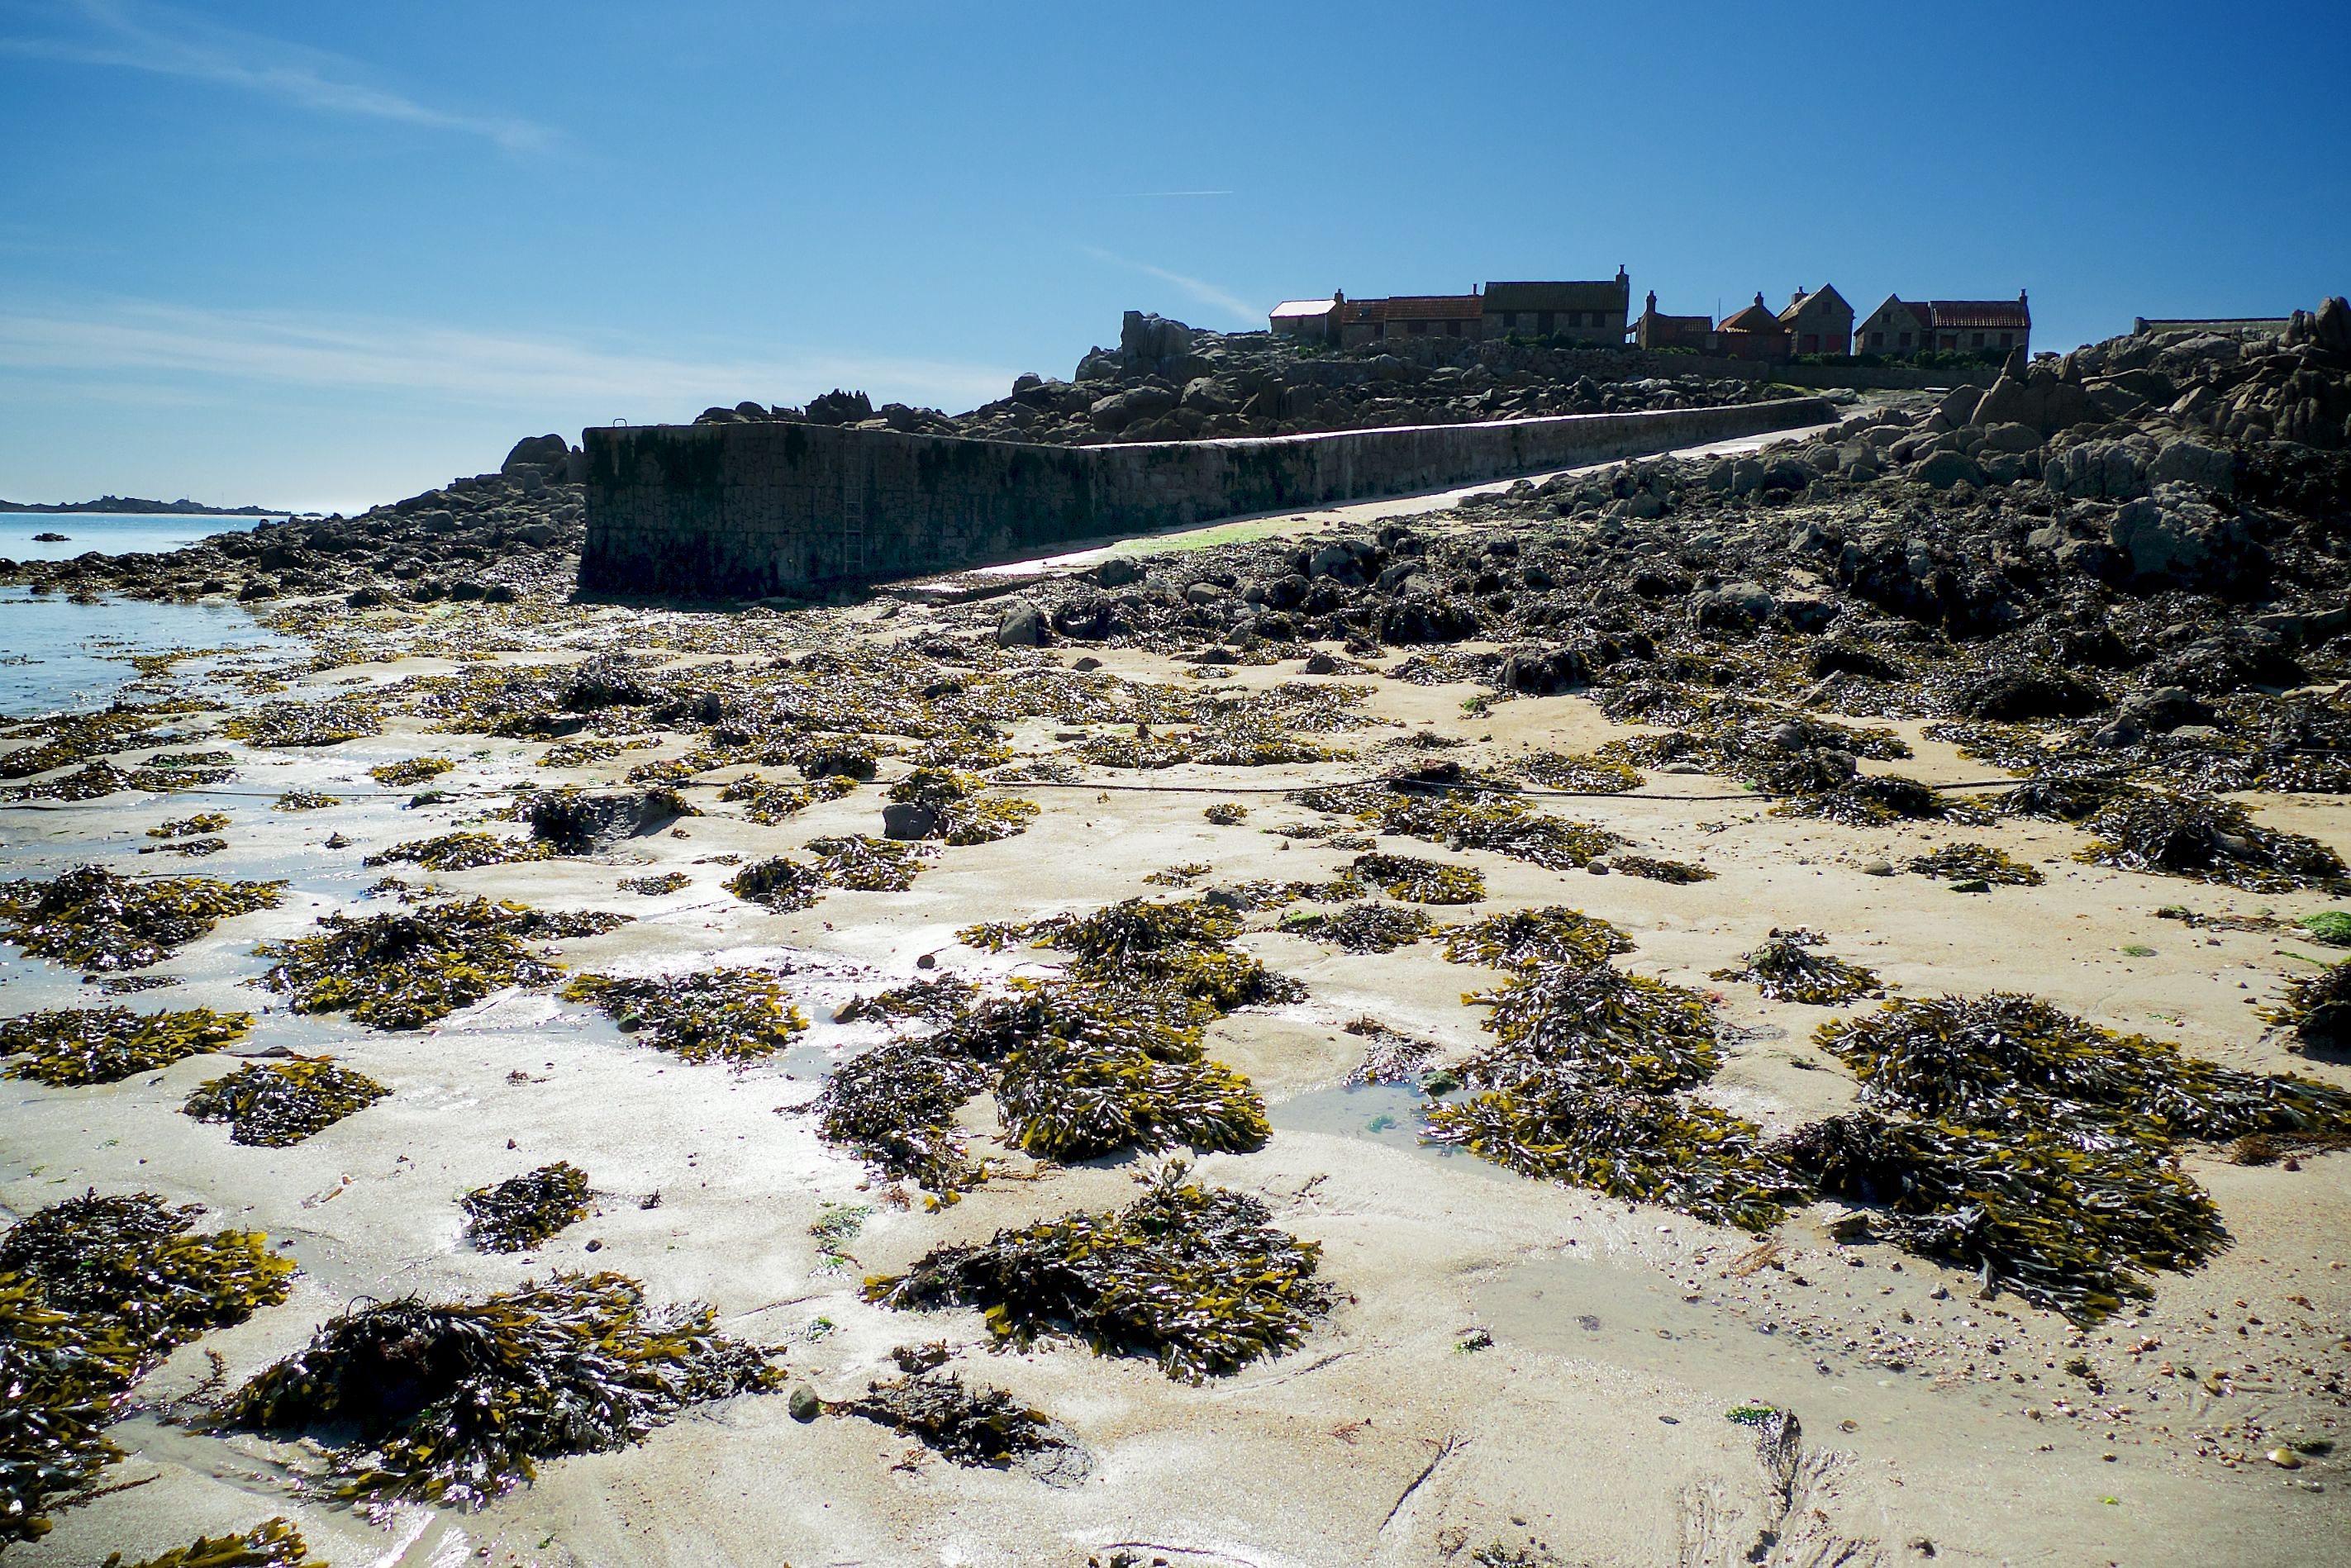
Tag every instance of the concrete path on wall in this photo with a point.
(986, 582)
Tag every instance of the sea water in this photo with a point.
(56, 654)
(108, 533)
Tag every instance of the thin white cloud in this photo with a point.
(1205, 292)
(121, 35)
(460, 366)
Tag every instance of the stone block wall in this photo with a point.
(749, 511)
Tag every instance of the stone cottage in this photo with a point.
(1754, 333)
(1820, 322)
(1591, 312)
(1897, 327)
(1968, 326)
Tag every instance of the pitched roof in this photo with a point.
(1826, 295)
(1756, 318)
(1999, 313)
(1289, 307)
(1432, 307)
(1909, 307)
(1604, 294)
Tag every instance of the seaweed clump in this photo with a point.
(1976, 863)
(1191, 1276)
(1090, 1074)
(778, 883)
(1365, 928)
(270, 1104)
(954, 806)
(1421, 881)
(410, 772)
(409, 968)
(273, 1543)
(464, 852)
(520, 1212)
(2317, 1008)
(456, 1402)
(972, 1426)
(1526, 939)
(182, 827)
(1786, 969)
(1654, 1148)
(2209, 841)
(2065, 1228)
(1183, 947)
(736, 1015)
(327, 724)
(1990, 1062)
(94, 1293)
(895, 1107)
(81, 1045)
(93, 920)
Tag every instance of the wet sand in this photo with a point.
(1511, 1361)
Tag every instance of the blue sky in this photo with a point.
(323, 255)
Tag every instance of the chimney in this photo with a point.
(1759, 296)
(1797, 297)
(1651, 310)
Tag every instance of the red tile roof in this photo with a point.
(1433, 308)
(1754, 318)
(2004, 314)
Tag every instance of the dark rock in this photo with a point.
(581, 824)
(1022, 625)
(1544, 671)
(2017, 695)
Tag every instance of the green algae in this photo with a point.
(457, 1403)
(93, 920)
(522, 1211)
(1191, 1276)
(270, 1104)
(84, 1045)
(735, 1015)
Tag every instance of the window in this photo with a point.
(1979, 343)
(1417, 327)
(2008, 340)
(1542, 320)
(1453, 328)
(1878, 340)
(1905, 339)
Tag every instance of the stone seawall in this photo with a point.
(747, 511)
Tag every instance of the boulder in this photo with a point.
(2190, 461)
(2174, 538)
(1120, 410)
(1544, 671)
(2164, 709)
(2015, 695)
(582, 823)
(537, 454)
(1943, 469)
(1022, 625)
(1734, 607)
